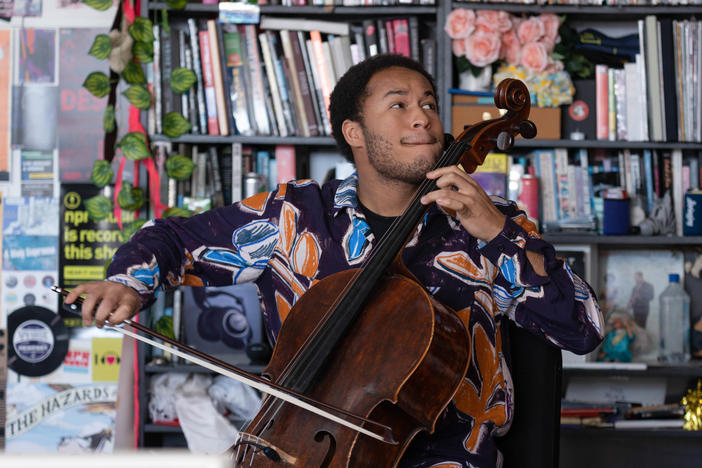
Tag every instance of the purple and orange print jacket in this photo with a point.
(288, 239)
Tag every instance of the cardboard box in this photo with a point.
(467, 110)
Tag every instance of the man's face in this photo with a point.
(401, 126)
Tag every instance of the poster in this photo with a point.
(65, 418)
(80, 129)
(36, 56)
(30, 253)
(37, 173)
(86, 245)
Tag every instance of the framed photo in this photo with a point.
(223, 321)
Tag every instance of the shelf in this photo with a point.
(607, 12)
(184, 368)
(162, 429)
(691, 369)
(643, 432)
(213, 9)
(537, 143)
(652, 241)
(248, 140)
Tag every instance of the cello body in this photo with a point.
(404, 351)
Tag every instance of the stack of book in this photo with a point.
(274, 79)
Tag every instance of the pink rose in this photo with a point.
(493, 21)
(483, 48)
(458, 46)
(460, 23)
(530, 30)
(534, 57)
(511, 48)
(548, 43)
(551, 24)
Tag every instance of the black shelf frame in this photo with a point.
(623, 241)
(644, 432)
(213, 9)
(603, 12)
(691, 369)
(607, 144)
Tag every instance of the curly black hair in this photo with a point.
(347, 98)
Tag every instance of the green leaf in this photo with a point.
(138, 96)
(182, 79)
(134, 147)
(176, 4)
(133, 74)
(179, 167)
(142, 30)
(101, 5)
(129, 229)
(102, 46)
(102, 173)
(99, 207)
(164, 326)
(98, 84)
(130, 198)
(174, 125)
(177, 211)
(108, 119)
(143, 52)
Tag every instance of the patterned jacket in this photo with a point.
(288, 239)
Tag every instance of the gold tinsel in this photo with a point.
(693, 408)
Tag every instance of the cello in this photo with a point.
(336, 348)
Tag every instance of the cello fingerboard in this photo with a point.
(3, 381)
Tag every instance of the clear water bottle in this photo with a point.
(675, 322)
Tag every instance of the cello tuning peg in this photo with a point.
(505, 140)
(527, 129)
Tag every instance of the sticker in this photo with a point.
(38, 341)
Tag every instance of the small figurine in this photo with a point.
(693, 408)
(617, 343)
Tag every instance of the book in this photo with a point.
(321, 68)
(257, 87)
(602, 100)
(209, 84)
(285, 163)
(216, 63)
(236, 71)
(273, 84)
(298, 24)
(292, 64)
(200, 85)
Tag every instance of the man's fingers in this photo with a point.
(105, 309)
(75, 294)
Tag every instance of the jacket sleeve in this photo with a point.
(560, 306)
(229, 245)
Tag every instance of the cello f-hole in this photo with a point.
(319, 437)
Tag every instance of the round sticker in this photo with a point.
(579, 110)
(38, 341)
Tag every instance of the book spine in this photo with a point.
(237, 165)
(602, 100)
(166, 69)
(216, 61)
(285, 163)
(200, 85)
(257, 89)
(208, 79)
(305, 92)
(313, 80)
(402, 37)
(273, 83)
(191, 93)
(217, 195)
(238, 89)
(323, 74)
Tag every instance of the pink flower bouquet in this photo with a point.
(483, 37)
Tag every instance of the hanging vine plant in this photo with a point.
(128, 46)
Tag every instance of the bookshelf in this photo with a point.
(445, 74)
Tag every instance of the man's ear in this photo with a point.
(352, 133)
